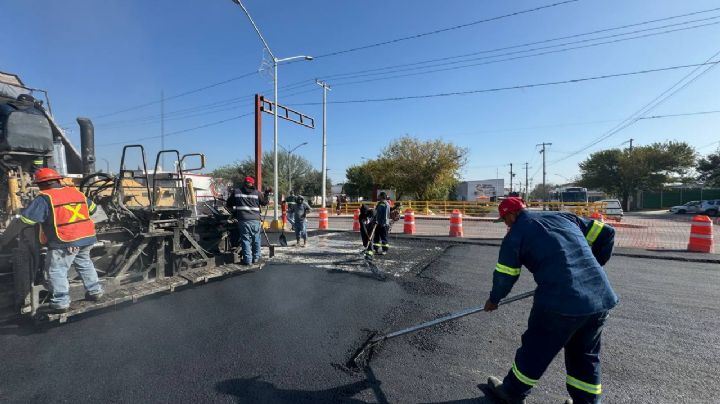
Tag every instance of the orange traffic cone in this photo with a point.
(597, 216)
(701, 235)
(456, 227)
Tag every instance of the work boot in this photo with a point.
(93, 297)
(496, 386)
(304, 242)
(59, 310)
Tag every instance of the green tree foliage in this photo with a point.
(305, 179)
(359, 181)
(623, 172)
(540, 192)
(708, 169)
(420, 169)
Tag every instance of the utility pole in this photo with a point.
(162, 127)
(325, 88)
(544, 191)
(526, 181)
(631, 140)
(511, 177)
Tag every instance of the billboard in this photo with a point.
(481, 190)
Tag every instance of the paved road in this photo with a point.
(279, 335)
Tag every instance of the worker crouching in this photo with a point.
(63, 214)
(565, 254)
(245, 203)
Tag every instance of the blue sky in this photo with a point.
(98, 57)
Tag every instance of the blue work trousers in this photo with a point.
(300, 229)
(59, 262)
(546, 335)
(250, 240)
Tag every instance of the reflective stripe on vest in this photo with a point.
(594, 232)
(71, 215)
(246, 208)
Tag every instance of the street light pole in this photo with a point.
(325, 87)
(289, 153)
(276, 62)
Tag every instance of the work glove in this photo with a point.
(490, 306)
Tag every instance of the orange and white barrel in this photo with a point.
(409, 223)
(456, 226)
(701, 235)
(356, 220)
(323, 223)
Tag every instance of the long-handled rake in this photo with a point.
(362, 356)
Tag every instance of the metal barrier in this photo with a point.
(474, 208)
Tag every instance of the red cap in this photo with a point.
(46, 174)
(250, 180)
(510, 205)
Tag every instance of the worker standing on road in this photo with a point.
(382, 219)
(245, 202)
(301, 210)
(565, 254)
(291, 200)
(67, 230)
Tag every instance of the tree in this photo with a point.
(359, 181)
(305, 179)
(708, 169)
(623, 172)
(412, 167)
(540, 192)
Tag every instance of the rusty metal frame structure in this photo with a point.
(288, 114)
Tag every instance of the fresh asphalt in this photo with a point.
(283, 334)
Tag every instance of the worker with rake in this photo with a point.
(565, 254)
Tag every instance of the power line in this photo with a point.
(518, 57)
(516, 87)
(178, 132)
(391, 69)
(654, 103)
(684, 114)
(183, 94)
(438, 31)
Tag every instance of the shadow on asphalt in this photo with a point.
(253, 390)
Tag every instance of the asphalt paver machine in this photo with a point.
(152, 236)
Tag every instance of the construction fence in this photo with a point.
(643, 230)
(667, 198)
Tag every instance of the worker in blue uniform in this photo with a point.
(565, 254)
(382, 220)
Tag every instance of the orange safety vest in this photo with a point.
(71, 215)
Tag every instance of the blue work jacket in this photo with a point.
(382, 213)
(565, 253)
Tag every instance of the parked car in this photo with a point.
(613, 208)
(708, 207)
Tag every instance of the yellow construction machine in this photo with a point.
(152, 236)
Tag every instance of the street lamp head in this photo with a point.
(308, 58)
